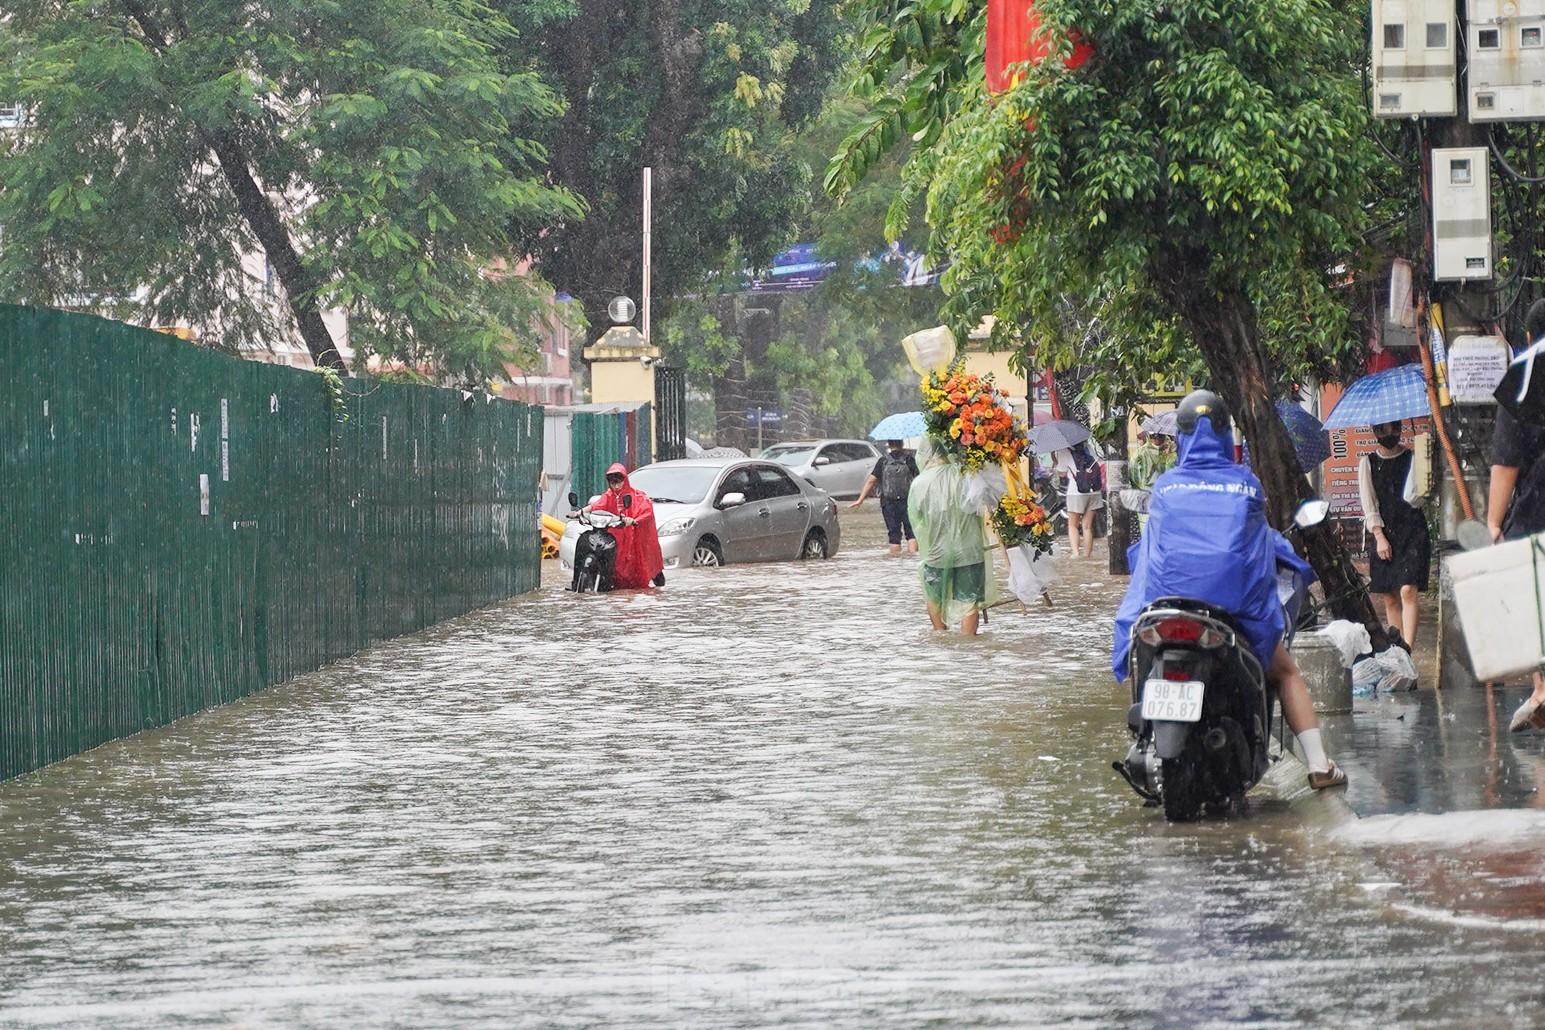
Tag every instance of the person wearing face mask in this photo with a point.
(1401, 557)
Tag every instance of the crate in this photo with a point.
(1499, 594)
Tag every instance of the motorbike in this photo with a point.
(1202, 707)
(595, 552)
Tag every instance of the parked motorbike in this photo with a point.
(1202, 707)
(595, 553)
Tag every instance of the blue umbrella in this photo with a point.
(1387, 396)
(1311, 443)
(903, 425)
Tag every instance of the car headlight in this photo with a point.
(676, 527)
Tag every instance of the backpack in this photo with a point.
(1086, 472)
(896, 477)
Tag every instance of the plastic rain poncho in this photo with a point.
(948, 512)
(639, 559)
(1208, 540)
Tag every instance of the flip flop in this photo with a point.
(1332, 777)
(1530, 715)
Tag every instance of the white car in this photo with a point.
(837, 466)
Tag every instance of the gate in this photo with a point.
(670, 404)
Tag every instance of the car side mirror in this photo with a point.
(1311, 513)
(732, 500)
(573, 499)
(822, 460)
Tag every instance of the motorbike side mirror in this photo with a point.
(1472, 535)
(732, 500)
(1311, 513)
(627, 501)
(573, 499)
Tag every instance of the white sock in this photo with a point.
(1313, 750)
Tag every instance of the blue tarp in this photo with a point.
(1208, 540)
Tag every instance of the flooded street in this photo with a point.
(764, 796)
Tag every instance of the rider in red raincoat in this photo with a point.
(639, 561)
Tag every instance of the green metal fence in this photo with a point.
(601, 439)
(181, 528)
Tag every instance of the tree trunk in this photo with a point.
(1123, 523)
(1226, 331)
(262, 219)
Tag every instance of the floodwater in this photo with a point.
(765, 796)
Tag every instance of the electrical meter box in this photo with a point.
(1461, 213)
(1413, 59)
(1505, 73)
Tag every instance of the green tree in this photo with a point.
(1205, 175)
(374, 150)
(708, 94)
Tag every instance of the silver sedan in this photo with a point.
(710, 511)
(837, 466)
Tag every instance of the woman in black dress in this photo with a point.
(1402, 552)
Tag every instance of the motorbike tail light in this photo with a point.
(1177, 673)
(1177, 630)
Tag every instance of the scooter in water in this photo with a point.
(595, 552)
(1202, 706)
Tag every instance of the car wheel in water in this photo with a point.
(814, 545)
(706, 555)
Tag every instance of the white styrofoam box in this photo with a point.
(1499, 597)
(1461, 213)
(1413, 58)
(1476, 365)
(1505, 70)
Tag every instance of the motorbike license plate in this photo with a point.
(1173, 700)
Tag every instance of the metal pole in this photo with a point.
(648, 252)
(758, 429)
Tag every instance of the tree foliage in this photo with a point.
(377, 152)
(711, 95)
(1201, 183)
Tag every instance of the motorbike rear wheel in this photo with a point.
(1182, 781)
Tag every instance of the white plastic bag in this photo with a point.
(983, 490)
(1390, 671)
(1350, 638)
(1399, 670)
(1030, 572)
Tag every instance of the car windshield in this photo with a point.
(675, 484)
(790, 454)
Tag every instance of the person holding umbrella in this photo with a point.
(1402, 554)
(1082, 470)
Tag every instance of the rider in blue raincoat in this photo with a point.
(1208, 540)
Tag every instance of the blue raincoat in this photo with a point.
(1208, 540)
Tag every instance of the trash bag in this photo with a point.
(1390, 671)
(1030, 572)
(1350, 638)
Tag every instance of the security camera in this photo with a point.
(646, 360)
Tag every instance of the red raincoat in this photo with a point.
(638, 547)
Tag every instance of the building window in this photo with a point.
(1437, 35)
(1394, 37)
(1488, 39)
(1389, 101)
(10, 116)
(1531, 36)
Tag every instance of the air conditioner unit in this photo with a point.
(1461, 214)
(1413, 59)
(1505, 73)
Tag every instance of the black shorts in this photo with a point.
(897, 523)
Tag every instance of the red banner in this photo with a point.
(1014, 37)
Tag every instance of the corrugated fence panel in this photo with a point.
(182, 528)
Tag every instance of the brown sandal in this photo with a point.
(1332, 777)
